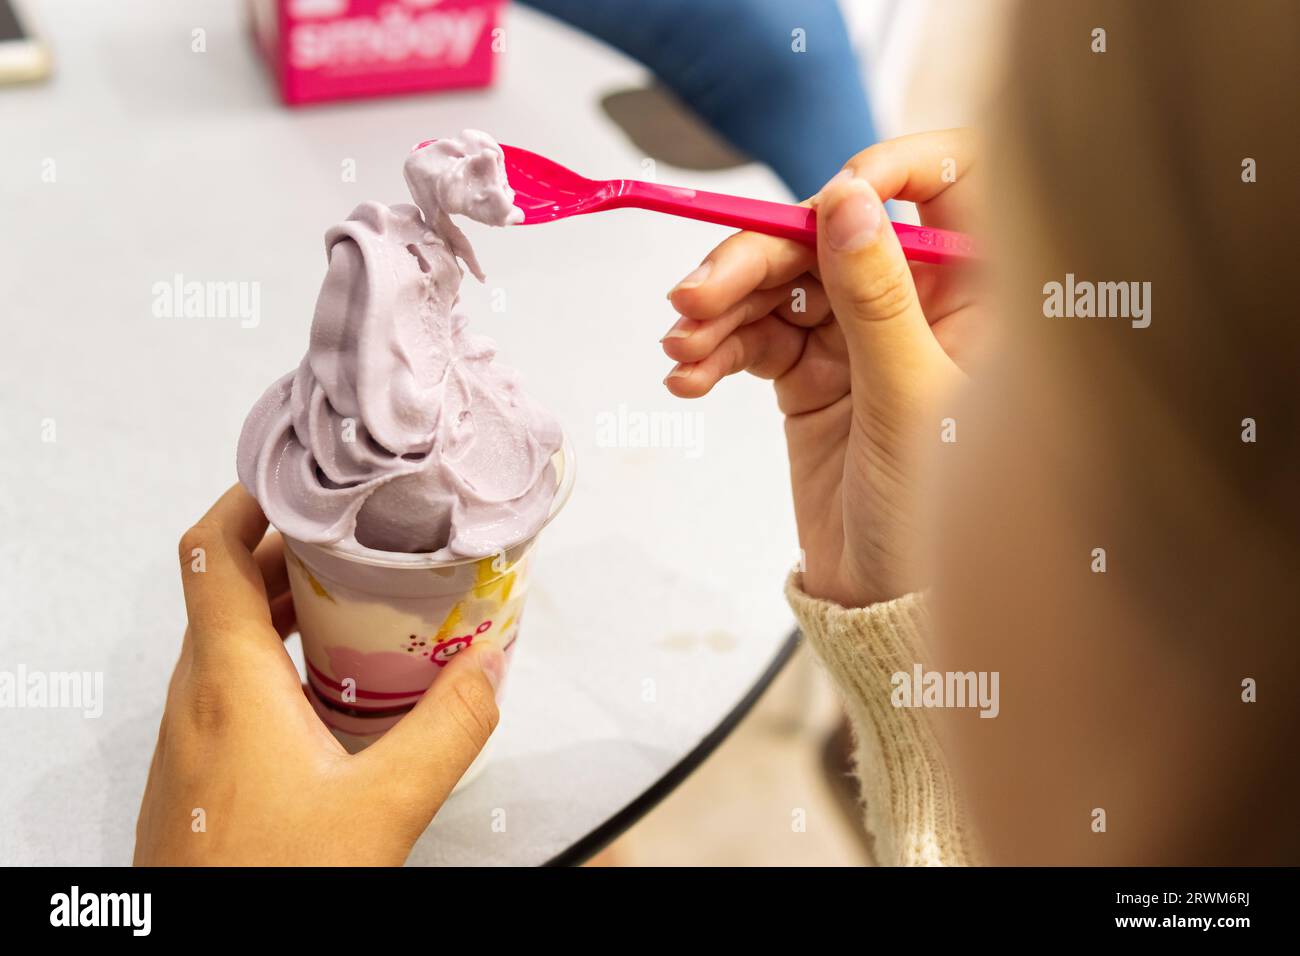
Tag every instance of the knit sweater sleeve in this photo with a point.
(913, 812)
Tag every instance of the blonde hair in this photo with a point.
(1169, 158)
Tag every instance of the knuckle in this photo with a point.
(883, 297)
(872, 156)
(209, 709)
(735, 358)
(474, 710)
(200, 537)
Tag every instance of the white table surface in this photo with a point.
(657, 598)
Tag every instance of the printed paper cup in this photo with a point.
(378, 627)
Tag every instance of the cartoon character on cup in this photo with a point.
(444, 651)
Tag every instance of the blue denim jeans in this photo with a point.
(733, 61)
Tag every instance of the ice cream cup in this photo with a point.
(378, 627)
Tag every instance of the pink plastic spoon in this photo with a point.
(546, 191)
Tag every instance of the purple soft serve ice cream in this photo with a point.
(397, 430)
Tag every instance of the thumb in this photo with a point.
(870, 288)
(427, 752)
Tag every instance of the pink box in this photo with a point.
(336, 49)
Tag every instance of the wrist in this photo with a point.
(837, 588)
(856, 581)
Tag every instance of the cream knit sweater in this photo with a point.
(913, 811)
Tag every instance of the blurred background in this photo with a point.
(195, 117)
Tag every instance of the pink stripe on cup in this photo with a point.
(371, 694)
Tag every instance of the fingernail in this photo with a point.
(493, 662)
(842, 176)
(695, 278)
(854, 221)
(681, 330)
(680, 370)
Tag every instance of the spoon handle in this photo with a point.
(920, 243)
